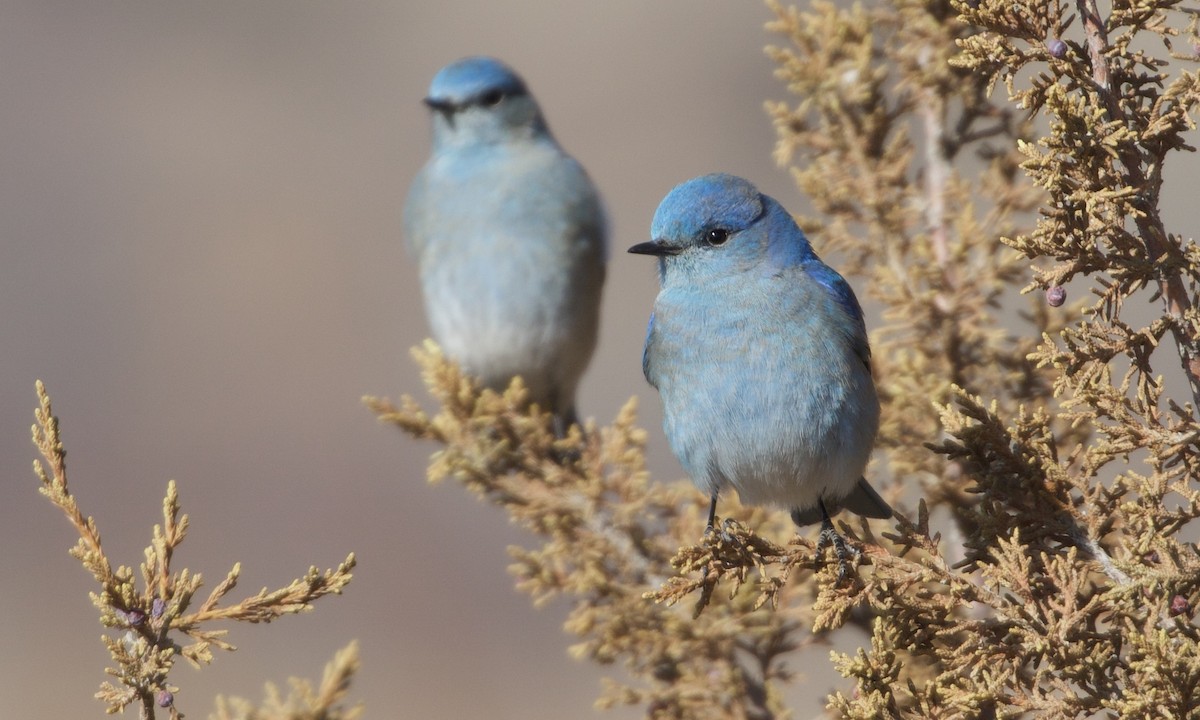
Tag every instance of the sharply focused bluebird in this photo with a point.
(760, 354)
(510, 237)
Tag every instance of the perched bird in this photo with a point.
(510, 237)
(760, 354)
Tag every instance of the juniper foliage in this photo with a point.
(146, 618)
(970, 164)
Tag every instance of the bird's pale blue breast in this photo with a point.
(472, 77)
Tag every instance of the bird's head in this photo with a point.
(480, 100)
(721, 224)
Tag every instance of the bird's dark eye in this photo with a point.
(492, 98)
(717, 236)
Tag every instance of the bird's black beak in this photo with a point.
(654, 247)
(445, 107)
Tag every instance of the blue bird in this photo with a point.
(759, 352)
(510, 237)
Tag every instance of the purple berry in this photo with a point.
(1057, 48)
(1180, 606)
(165, 698)
(132, 618)
(1056, 295)
(157, 607)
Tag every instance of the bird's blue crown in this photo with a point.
(707, 202)
(472, 77)
(733, 204)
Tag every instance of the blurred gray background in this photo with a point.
(201, 256)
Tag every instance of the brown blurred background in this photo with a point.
(201, 256)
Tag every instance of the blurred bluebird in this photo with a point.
(510, 237)
(760, 354)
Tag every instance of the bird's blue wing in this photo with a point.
(415, 213)
(837, 286)
(843, 295)
(646, 348)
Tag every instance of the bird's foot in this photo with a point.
(725, 534)
(830, 536)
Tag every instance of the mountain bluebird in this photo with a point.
(510, 237)
(760, 354)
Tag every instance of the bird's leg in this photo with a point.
(712, 515)
(708, 532)
(830, 536)
(561, 424)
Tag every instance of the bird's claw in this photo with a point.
(725, 535)
(830, 536)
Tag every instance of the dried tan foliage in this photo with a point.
(955, 154)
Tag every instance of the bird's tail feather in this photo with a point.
(862, 500)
